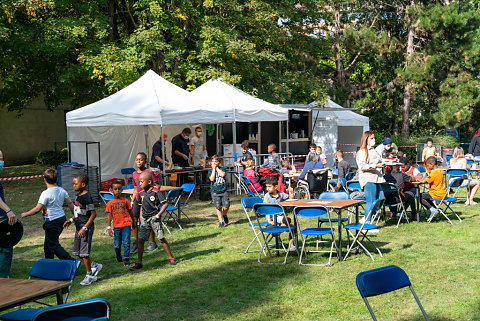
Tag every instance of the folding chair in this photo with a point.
(92, 309)
(447, 201)
(452, 173)
(363, 228)
(127, 171)
(352, 186)
(172, 211)
(248, 183)
(188, 189)
(273, 231)
(247, 204)
(106, 196)
(383, 280)
(129, 186)
(334, 196)
(316, 212)
(392, 190)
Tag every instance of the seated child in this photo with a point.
(120, 211)
(84, 215)
(51, 204)
(399, 179)
(246, 155)
(249, 172)
(437, 185)
(150, 213)
(410, 170)
(275, 196)
(312, 150)
(287, 167)
(321, 156)
(273, 160)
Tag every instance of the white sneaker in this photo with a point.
(362, 220)
(473, 203)
(96, 267)
(89, 279)
(467, 202)
(374, 231)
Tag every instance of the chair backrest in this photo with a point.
(353, 185)
(456, 172)
(381, 280)
(310, 211)
(58, 270)
(174, 193)
(127, 171)
(456, 182)
(107, 196)
(248, 202)
(376, 207)
(129, 186)
(93, 309)
(268, 209)
(470, 162)
(188, 187)
(235, 158)
(333, 196)
(349, 176)
(246, 180)
(388, 188)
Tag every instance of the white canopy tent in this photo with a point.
(246, 108)
(130, 120)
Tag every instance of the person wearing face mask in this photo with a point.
(6, 214)
(180, 149)
(369, 163)
(197, 147)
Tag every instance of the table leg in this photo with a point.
(59, 298)
(339, 235)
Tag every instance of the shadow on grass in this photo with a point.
(217, 292)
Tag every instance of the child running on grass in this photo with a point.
(50, 203)
(83, 216)
(218, 189)
(120, 211)
(150, 213)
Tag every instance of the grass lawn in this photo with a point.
(214, 280)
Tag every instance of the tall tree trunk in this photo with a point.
(340, 68)
(112, 13)
(407, 96)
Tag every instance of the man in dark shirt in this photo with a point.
(180, 149)
(343, 169)
(474, 147)
(157, 160)
(399, 178)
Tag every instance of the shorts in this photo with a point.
(136, 208)
(147, 225)
(221, 200)
(82, 246)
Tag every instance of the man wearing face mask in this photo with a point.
(197, 147)
(180, 149)
(6, 213)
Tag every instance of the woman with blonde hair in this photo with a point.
(459, 162)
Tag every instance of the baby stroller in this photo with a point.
(315, 182)
(264, 172)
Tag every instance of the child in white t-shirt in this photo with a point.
(51, 204)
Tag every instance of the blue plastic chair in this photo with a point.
(247, 204)
(127, 171)
(383, 280)
(458, 173)
(353, 186)
(334, 196)
(188, 189)
(249, 183)
(106, 196)
(172, 211)
(363, 228)
(129, 186)
(446, 201)
(93, 309)
(273, 231)
(315, 212)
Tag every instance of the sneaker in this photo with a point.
(362, 220)
(137, 266)
(433, 213)
(292, 249)
(89, 279)
(173, 261)
(96, 267)
(376, 230)
(134, 248)
(225, 218)
(119, 256)
(126, 262)
(221, 224)
(473, 203)
(152, 246)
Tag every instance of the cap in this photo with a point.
(387, 141)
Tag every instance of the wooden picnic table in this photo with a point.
(15, 292)
(330, 203)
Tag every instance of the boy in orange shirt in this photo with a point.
(437, 186)
(120, 211)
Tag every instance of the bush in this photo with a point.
(47, 157)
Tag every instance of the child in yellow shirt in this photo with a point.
(429, 151)
(437, 185)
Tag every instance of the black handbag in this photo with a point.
(317, 182)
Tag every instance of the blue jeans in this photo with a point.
(6, 255)
(122, 236)
(372, 192)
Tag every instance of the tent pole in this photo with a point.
(163, 155)
(280, 136)
(288, 133)
(234, 129)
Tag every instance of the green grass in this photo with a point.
(214, 280)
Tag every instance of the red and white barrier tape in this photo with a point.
(328, 154)
(19, 178)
